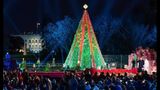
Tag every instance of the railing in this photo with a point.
(112, 61)
(118, 60)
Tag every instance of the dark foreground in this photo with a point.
(71, 80)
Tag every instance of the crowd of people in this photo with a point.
(22, 80)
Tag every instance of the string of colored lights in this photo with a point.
(84, 52)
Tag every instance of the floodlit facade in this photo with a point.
(32, 42)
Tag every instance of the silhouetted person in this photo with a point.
(133, 63)
(73, 83)
(102, 76)
(140, 65)
(95, 77)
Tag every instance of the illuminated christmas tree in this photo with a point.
(47, 67)
(84, 52)
(23, 65)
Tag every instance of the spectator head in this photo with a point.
(107, 74)
(108, 82)
(53, 81)
(102, 73)
(117, 82)
(125, 74)
(112, 87)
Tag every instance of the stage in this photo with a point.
(61, 74)
(116, 71)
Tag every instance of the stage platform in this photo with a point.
(61, 74)
(116, 71)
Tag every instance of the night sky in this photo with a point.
(22, 15)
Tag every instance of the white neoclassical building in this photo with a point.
(32, 42)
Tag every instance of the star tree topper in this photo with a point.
(85, 6)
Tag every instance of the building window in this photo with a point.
(29, 46)
(36, 46)
(25, 40)
(32, 46)
(29, 41)
(36, 41)
(39, 41)
(32, 41)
